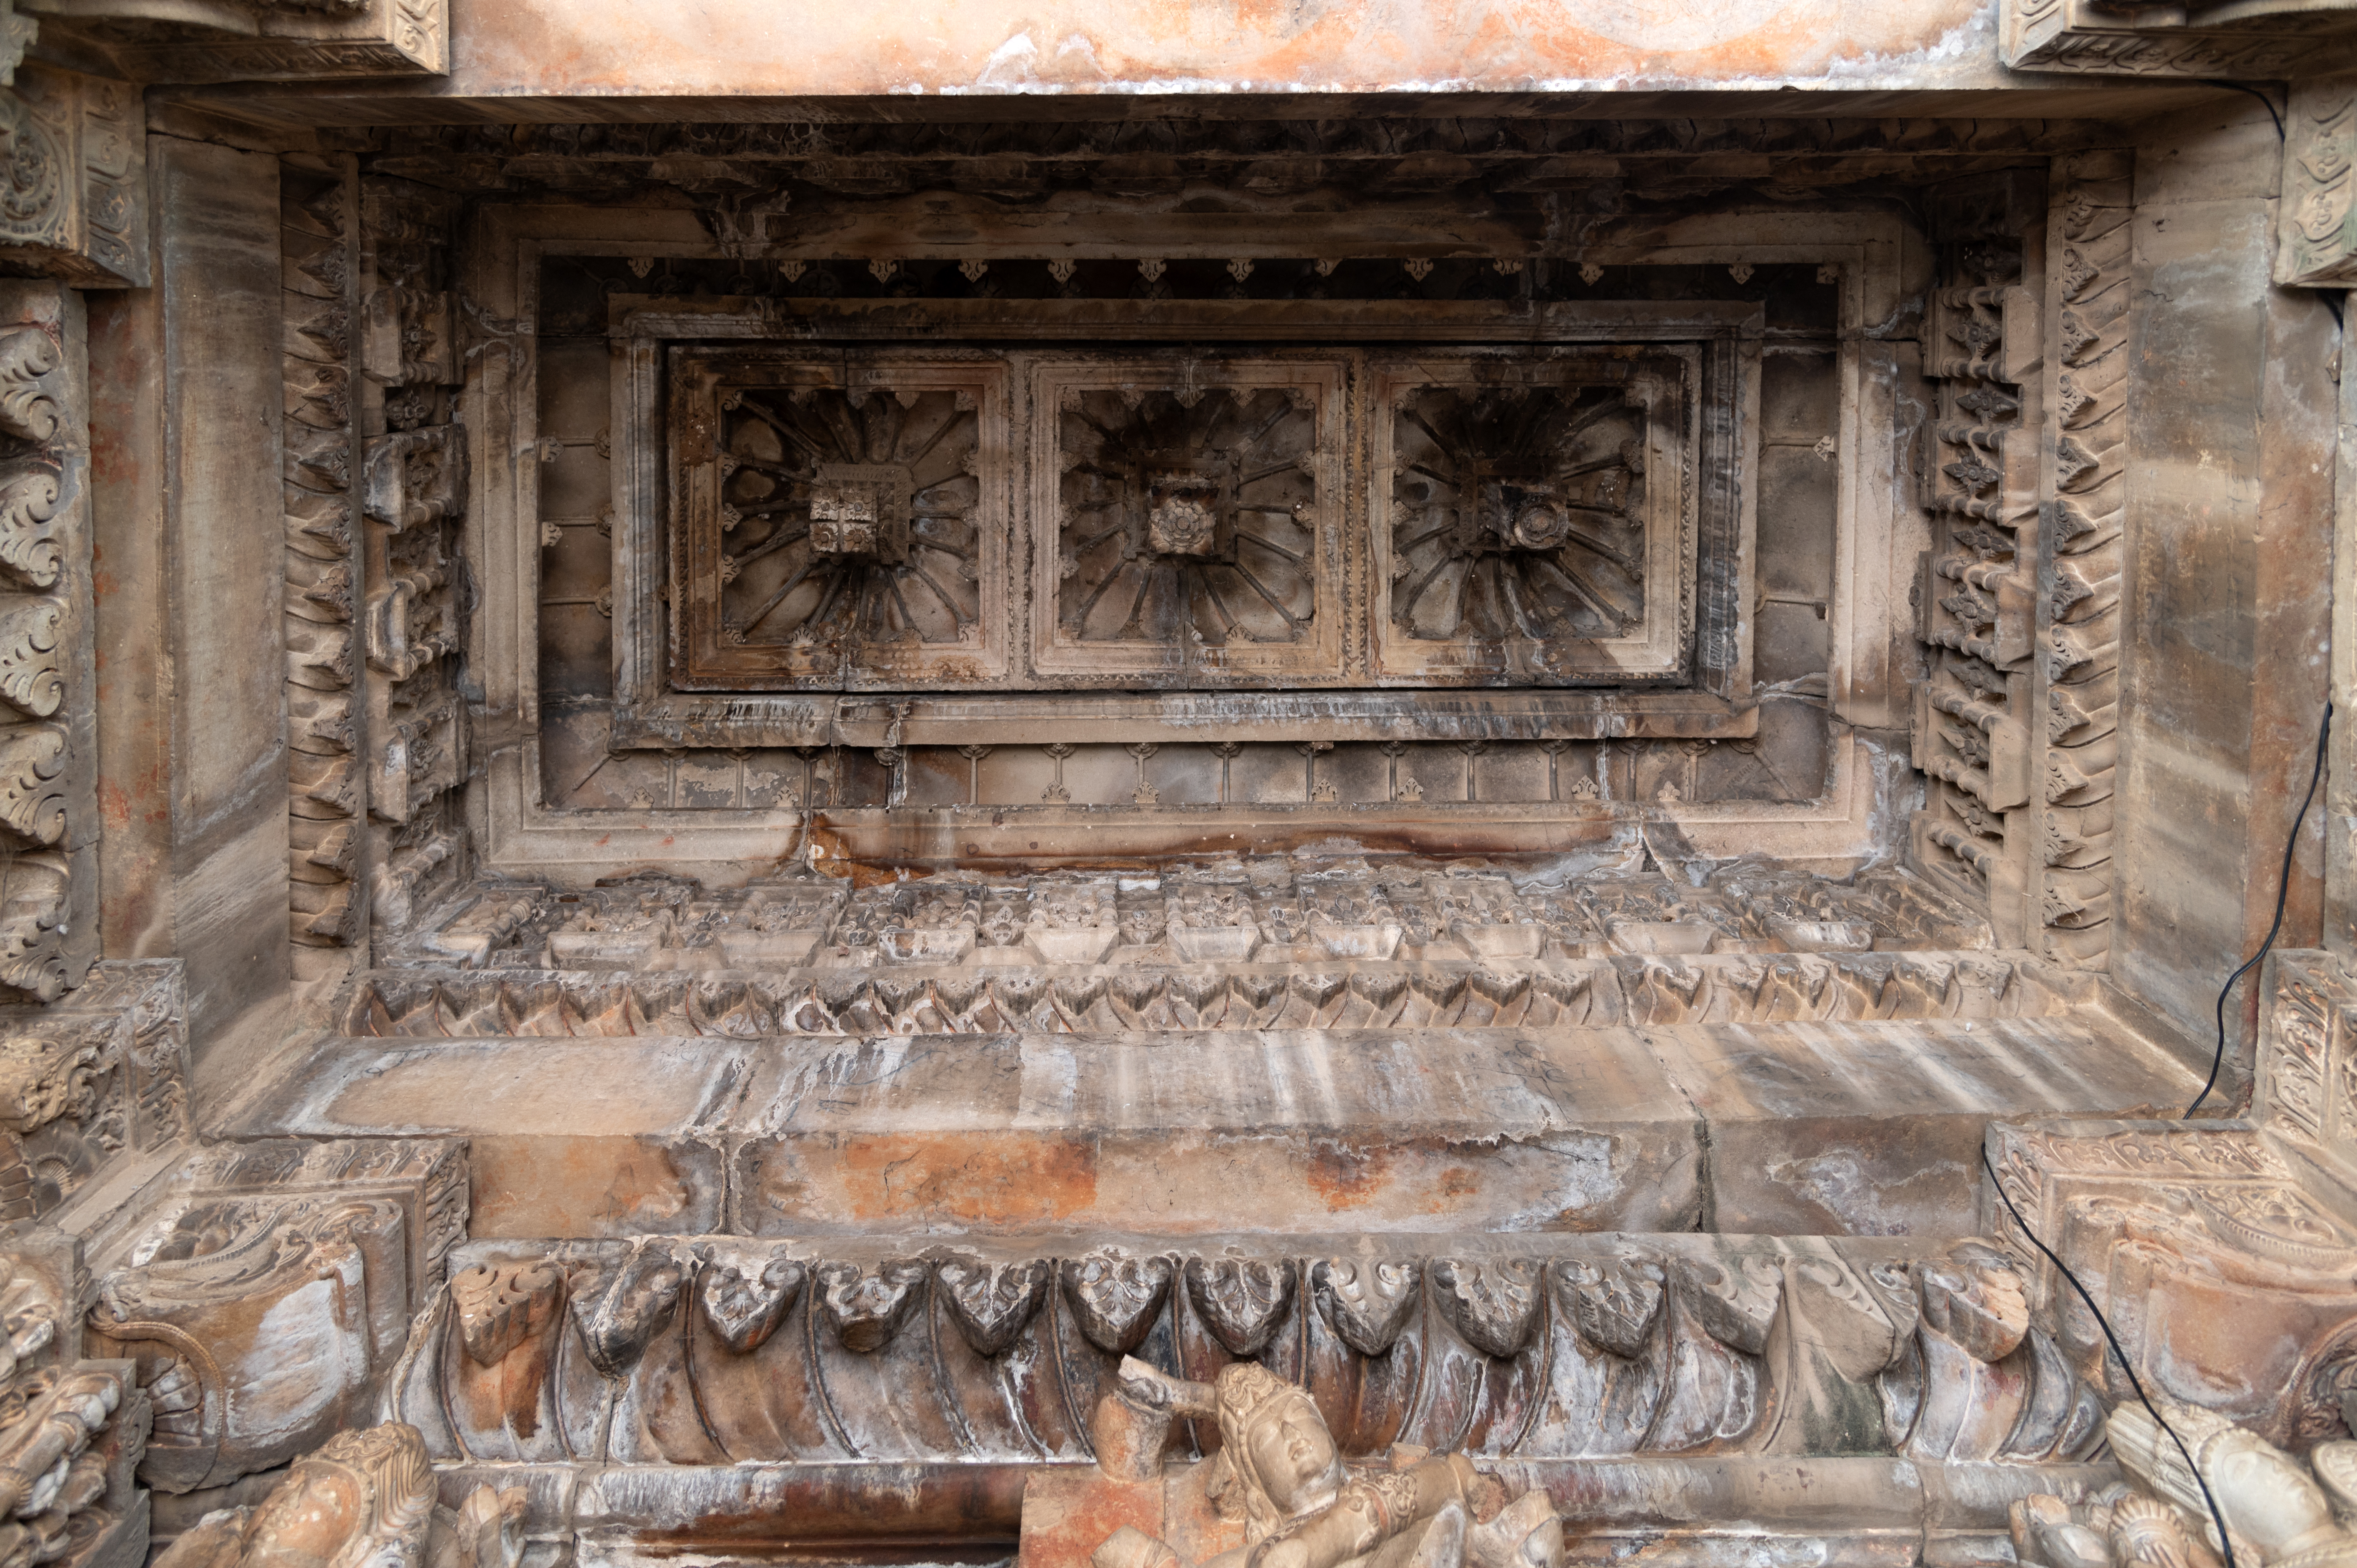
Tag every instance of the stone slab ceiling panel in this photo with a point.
(1197, 519)
(1536, 522)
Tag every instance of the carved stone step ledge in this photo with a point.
(1838, 1128)
(1701, 988)
(1271, 908)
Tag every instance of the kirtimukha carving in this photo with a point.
(1278, 1474)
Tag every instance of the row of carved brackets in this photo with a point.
(2242, 39)
(709, 1350)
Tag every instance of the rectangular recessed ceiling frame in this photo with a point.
(1008, 660)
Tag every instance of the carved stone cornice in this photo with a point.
(711, 1351)
(2176, 1227)
(255, 41)
(74, 201)
(2240, 39)
(272, 1291)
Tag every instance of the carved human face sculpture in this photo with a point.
(1291, 1453)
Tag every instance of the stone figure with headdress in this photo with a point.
(1277, 1471)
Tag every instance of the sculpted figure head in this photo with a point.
(362, 1501)
(1280, 1461)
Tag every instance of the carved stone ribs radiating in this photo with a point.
(844, 527)
(1193, 507)
(1532, 528)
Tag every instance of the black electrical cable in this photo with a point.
(2226, 1541)
(2245, 87)
(2283, 890)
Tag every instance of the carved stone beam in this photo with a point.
(75, 147)
(2241, 39)
(254, 40)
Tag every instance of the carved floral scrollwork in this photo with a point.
(33, 195)
(851, 519)
(743, 1297)
(1492, 1302)
(33, 760)
(32, 666)
(1242, 1301)
(29, 546)
(1367, 1304)
(1116, 1295)
(1518, 513)
(628, 1305)
(27, 410)
(867, 1306)
(1188, 513)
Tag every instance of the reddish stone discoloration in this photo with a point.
(556, 46)
(1067, 1514)
(1346, 1177)
(972, 1180)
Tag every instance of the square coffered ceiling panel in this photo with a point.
(838, 524)
(1532, 518)
(1187, 520)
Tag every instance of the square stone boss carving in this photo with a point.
(1187, 520)
(838, 524)
(1533, 521)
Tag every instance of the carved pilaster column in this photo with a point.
(413, 490)
(326, 718)
(1976, 725)
(2079, 550)
(49, 816)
